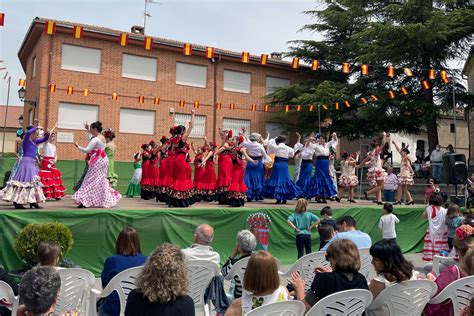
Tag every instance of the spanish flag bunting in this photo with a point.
(325, 107)
(364, 100)
(50, 27)
(52, 87)
(444, 76)
(210, 52)
(315, 65)
(266, 108)
(156, 101)
(298, 108)
(408, 72)
(86, 92)
(123, 39)
(287, 108)
(374, 97)
(78, 31)
(218, 106)
(404, 91)
(141, 99)
(254, 107)
(391, 71)
(391, 94)
(364, 69)
(347, 103)
(70, 90)
(187, 49)
(295, 63)
(232, 106)
(337, 105)
(196, 104)
(432, 74)
(22, 82)
(311, 108)
(426, 84)
(345, 68)
(245, 57)
(263, 59)
(2, 19)
(181, 103)
(114, 96)
(148, 43)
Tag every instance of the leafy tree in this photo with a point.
(418, 34)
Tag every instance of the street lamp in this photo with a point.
(22, 94)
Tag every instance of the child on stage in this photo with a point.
(348, 179)
(134, 186)
(375, 174)
(302, 222)
(51, 177)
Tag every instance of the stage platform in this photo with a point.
(95, 230)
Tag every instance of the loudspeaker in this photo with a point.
(455, 168)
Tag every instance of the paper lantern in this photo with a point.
(345, 68)
(295, 63)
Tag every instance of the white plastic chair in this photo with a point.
(286, 308)
(405, 298)
(437, 260)
(350, 302)
(305, 267)
(365, 262)
(459, 292)
(200, 275)
(6, 293)
(122, 283)
(238, 269)
(76, 285)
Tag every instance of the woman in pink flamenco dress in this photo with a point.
(405, 177)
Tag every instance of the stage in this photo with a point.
(95, 230)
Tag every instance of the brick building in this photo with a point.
(98, 63)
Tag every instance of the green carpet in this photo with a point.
(95, 231)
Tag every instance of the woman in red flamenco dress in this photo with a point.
(51, 178)
(199, 169)
(146, 183)
(207, 184)
(164, 181)
(224, 167)
(154, 169)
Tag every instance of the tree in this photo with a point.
(418, 34)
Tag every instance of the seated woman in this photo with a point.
(464, 247)
(162, 286)
(261, 285)
(391, 268)
(343, 274)
(246, 243)
(127, 255)
(48, 254)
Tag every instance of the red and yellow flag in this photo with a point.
(287, 108)
(181, 103)
(391, 94)
(266, 108)
(426, 84)
(70, 90)
(263, 59)
(325, 107)
(311, 108)
(408, 72)
(337, 106)
(245, 57)
(187, 49)
(114, 96)
(123, 39)
(156, 101)
(232, 106)
(295, 63)
(364, 69)
(432, 74)
(315, 65)
(86, 92)
(78, 31)
(254, 107)
(22, 82)
(196, 104)
(2, 19)
(444, 76)
(218, 106)
(147, 43)
(404, 91)
(347, 103)
(364, 100)
(298, 108)
(52, 87)
(141, 99)
(210, 52)
(50, 27)
(374, 97)
(345, 68)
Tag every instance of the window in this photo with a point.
(83, 59)
(73, 115)
(33, 67)
(199, 129)
(137, 67)
(137, 121)
(452, 128)
(273, 82)
(236, 125)
(191, 75)
(237, 81)
(274, 129)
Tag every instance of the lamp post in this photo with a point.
(5, 122)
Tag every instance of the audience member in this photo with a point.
(201, 248)
(326, 213)
(436, 238)
(261, 285)
(48, 254)
(387, 223)
(453, 221)
(343, 274)
(127, 255)
(38, 291)
(246, 243)
(161, 286)
(436, 161)
(326, 232)
(391, 268)
(464, 246)
(346, 229)
(302, 223)
(390, 186)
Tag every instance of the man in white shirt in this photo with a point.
(201, 248)
(390, 186)
(436, 162)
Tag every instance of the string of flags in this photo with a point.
(6, 75)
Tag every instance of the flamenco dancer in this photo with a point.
(348, 179)
(224, 167)
(51, 178)
(198, 170)
(306, 152)
(322, 185)
(95, 190)
(376, 174)
(254, 172)
(405, 177)
(134, 186)
(21, 134)
(181, 190)
(280, 185)
(110, 148)
(25, 186)
(207, 185)
(164, 180)
(146, 183)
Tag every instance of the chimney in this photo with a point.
(137, 29)
(275, 55)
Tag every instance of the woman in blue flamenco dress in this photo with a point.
(322, 185)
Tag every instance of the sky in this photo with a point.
(258, 26)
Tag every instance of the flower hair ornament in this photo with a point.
(464, 231)
(229, 134)
(108, 133)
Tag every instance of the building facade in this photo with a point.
(98, 63)
(468, 71)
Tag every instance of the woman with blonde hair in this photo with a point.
(162, 285)
(261, 285)
(302, 223)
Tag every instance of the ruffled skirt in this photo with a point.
(348, 180)
(405, 177)
(134, 185)
(51, 179)
(181, 191)
(236, 190)
(322, 184)
(304, 179)
(255, 180)
(376, 174)
(280, 186)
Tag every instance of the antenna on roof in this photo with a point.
(146, 14)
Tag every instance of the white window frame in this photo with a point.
(199, 129)
(138, 124)
(73, 67)
(129, 75)
(77, 123)
(231, 89)
(183, 82)
(236, 128)
(33, 67)
(269, 90)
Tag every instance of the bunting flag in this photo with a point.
(263, 59)
(347, 103)
(218, 106)
(325, 107)
(337, 105)
(123, 39)
(345, 68)
(187, 49)
(444, 76)
(86, 92)
(147, 43)
(2, 19)
(426, 84)
(232, 106)
(156, 101)
(245, 57)
(298, 108)
(114, 96)
(210, 52)
(391, 71)
(141, 99)
(311, 108)
(78, 31)
(50, 27)
(432, 74)
(364, 100)
(364, 69)
(196, 104)
(295, 63)
(254, 107)
(374, 98)
(404, 91)
(70, 90)
(22, 82)
(408, 72)
(287, 108)
(266, 108)
(391, 94)
(52, 87)
(315, 65)
(181, 103)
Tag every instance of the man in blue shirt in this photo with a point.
(346, 229)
